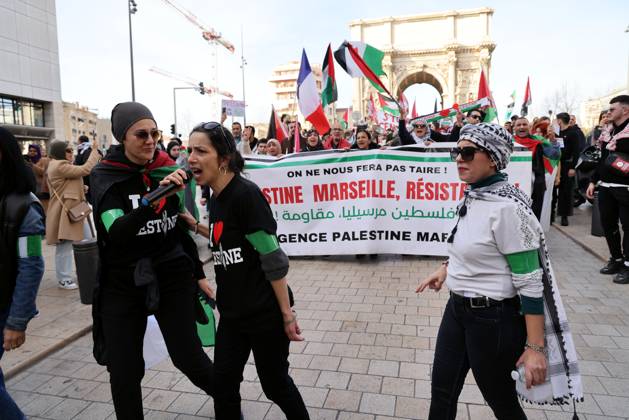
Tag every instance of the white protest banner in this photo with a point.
(234, 108)
(394, 201)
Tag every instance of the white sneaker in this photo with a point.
(67, 284)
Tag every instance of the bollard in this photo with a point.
(86, 261)
(597, 226)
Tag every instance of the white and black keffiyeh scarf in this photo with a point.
(563, 380)
(490, 137)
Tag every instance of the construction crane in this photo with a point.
(209, 34)
(210, 90)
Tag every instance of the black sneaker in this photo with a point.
(612, 267)
(623, 276)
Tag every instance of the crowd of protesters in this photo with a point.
(57, 180)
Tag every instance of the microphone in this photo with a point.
(163, 190)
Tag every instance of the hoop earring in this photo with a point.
(222, 170)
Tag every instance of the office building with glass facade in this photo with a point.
(30, 86)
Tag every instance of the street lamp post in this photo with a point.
(133, 7)
(243, 63)
(175, 89)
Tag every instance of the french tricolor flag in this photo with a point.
(309, 99)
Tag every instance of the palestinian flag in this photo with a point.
(527, 99)
(403, 101)
(484, 92)
(329, 93)
(510, 106)
(532, 142)
(275, 130)
(388, 105)
(370, 55)
(371, 109)
(345, 120)
(451, 112)
(362, 60)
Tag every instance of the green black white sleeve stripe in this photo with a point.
(109, 217)
(527, 279)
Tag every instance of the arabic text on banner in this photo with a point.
(368, 202)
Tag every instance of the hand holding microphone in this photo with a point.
(170, 185)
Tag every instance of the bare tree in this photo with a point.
(563, 99)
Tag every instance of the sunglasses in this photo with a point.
(69, 150)
(420, 126)
(144, 135)
(475, 116)
(211, 126)
(467, 153)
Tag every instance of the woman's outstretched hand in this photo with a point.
(433, 281)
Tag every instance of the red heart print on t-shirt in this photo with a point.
(218, 231)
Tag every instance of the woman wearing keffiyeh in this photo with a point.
(504, 311)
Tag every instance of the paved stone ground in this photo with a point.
(368, 352)
(579, 229)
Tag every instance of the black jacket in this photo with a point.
(570, 151)
(603, 172)
(79, 160)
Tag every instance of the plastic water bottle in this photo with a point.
(518, 375)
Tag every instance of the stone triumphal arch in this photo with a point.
(446, 50)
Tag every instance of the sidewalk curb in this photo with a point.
(580, 243)
(47, 352)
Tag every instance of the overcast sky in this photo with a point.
(579, 43)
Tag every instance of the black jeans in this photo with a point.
(124, 323)
(565, 196)
(613, 203)
(270, 351)
(489, 341)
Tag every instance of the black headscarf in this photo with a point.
(15, 176)
(170, 146)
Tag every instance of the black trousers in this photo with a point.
(565, 195)
(537, 196)
(489, 341)
(270, 352)
(613, 203)
(124, 323)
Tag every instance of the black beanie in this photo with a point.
(125, 114)
(57, 149)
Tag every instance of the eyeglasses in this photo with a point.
(144, 135)
(467, 153)
(69, 150)
(211, 126)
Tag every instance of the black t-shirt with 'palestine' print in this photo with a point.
(243, 294)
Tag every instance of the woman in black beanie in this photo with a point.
(149, 265)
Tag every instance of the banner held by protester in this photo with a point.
(397, 201)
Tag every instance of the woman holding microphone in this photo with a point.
(504, 310)
(253, 298)
(147, 264)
